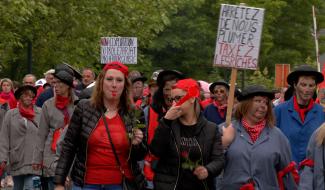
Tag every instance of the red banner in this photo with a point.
(281, 73)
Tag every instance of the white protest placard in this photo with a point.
(123, 49)
(239, 36)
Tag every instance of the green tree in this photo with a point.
(70, 30)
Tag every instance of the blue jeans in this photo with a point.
(47, 183)
(23, 182)
(97, 187)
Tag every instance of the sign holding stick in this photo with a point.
(238, 42)
(230, 101)
(123, 49)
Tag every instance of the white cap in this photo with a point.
(40, 82)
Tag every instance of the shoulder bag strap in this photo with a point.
(112, 145)
(323, 157)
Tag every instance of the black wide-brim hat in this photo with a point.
(24, 88)
(255, 90)
(161, 79)
(65, 75)
(304, 70)
(76, 73)
(219, 82)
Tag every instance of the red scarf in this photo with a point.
(62, 102)
(254, 131)
(5, 96)
(302, 111)
(221, 108)
(27, 113)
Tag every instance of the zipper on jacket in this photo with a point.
(179, 163)
(203, 181)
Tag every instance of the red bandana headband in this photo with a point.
(118, 66)
(190, 86)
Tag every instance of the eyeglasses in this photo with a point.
(176, 99)
(221, 91)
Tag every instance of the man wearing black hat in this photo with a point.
(299, 117)
(216, 112)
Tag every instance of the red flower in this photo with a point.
(184, 154)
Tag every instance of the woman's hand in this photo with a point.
(173, 113)
(137, 136)
(59, 187)
(228, 135)
(36, 166)
(201, 172)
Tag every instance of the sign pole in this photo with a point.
(230, 101)
(315, 37)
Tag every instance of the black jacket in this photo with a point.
(74, 146)
(166, 146)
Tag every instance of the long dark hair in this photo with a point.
(158, 100)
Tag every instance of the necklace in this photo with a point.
(108, 110)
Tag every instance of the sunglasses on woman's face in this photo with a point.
(221, 91)
(176, 99)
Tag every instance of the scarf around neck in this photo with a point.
(255, 130)
(221, 108)
(302, 111)
(5, 96)
(27, 113)
(62, 102)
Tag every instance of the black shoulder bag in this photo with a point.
(126, 184)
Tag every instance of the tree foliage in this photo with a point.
(70, 30)
(171, 34)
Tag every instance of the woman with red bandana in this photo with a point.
(188, 146)
(259, 155)
(56, 114)
(102, 140)
(19, 129)
(217, 111)
(7, 93)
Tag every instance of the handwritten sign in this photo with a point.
(239, 36)
(123, 49)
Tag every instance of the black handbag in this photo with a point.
(126, 183)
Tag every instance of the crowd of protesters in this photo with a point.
(78, 131)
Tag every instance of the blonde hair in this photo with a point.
(8, 81)
(320, 136)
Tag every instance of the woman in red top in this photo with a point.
(89, 140)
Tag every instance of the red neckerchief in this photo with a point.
(5, 96)
(254, 131)
(302, 111)
(27, 113)
(61, 102)
(221, 108)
